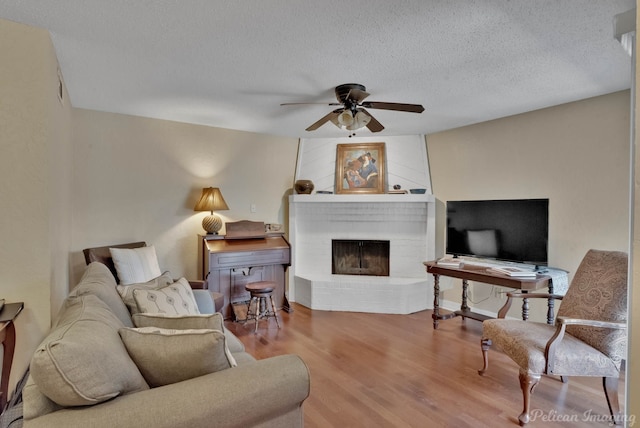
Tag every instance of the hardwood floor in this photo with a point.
(378, 370)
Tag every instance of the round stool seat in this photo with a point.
(260, 287)
(261, 305)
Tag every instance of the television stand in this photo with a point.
(481, 274)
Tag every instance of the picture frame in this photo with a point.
(360, 168)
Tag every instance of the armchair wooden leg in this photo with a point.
(528, 382)
(610, 385)
(485, 344)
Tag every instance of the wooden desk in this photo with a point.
(481, 274)
(8, 339)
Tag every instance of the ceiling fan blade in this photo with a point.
(373, 125)
(304, 104)
(357, 95)
(329, 117)
(412, 108)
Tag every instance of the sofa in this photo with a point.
(96, 369)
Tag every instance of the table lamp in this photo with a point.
(211, 200)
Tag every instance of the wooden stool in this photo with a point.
(260, 291)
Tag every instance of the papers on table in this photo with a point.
(513, 271)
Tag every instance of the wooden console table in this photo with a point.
(8, 339)
(481, 274)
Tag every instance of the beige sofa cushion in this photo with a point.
(169, 356)
(175, 299)
(99, 281)
(126, 291)
(35, 402)
(83, 360)
(180, 322)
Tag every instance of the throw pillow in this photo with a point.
(180, 322)
(126, 291)
(83, 360)
(169, 356)
(135, 265)
(176, 299)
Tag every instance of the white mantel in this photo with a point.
(407, 221)
(360, 199)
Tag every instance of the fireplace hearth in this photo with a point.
(359, 257)
(406, 222)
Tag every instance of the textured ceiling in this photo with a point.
(231, 64)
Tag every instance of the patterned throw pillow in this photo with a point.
(176, 299)
(168, 356)
(126, 291)
(135, 265)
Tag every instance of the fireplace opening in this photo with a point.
(359, 257)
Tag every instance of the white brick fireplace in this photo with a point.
(407, 221)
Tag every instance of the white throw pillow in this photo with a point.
(174, 299)
(135, 265)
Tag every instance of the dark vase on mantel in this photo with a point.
(304, 187)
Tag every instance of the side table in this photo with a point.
(8, 339)
(481, 274)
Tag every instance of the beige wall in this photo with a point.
(34, 184)
(576, 154)
(633, 367)
(139, 179)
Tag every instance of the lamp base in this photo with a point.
(212, 224)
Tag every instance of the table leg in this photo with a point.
(550, 304)
(436, 300)
(7, 360)
(525, 307)
(465, 295)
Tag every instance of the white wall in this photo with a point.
(576, 154)
(139, 179)
(406, 161)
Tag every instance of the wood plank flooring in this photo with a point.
(379, 370)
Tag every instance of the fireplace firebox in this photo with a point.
(359, 257)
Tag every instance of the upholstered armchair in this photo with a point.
(589, 338)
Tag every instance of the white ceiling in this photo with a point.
(230, 64)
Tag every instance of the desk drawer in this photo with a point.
(248, 258)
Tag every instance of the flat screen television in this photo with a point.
(515, 230)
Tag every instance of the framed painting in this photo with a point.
(360, 168)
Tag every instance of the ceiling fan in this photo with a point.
(352, 113)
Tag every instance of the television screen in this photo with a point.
(514, 230)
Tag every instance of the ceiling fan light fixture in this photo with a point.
(345, 118)
(352, 115)
(362, 119)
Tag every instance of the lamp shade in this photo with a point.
(345, 118)
(211, 200)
